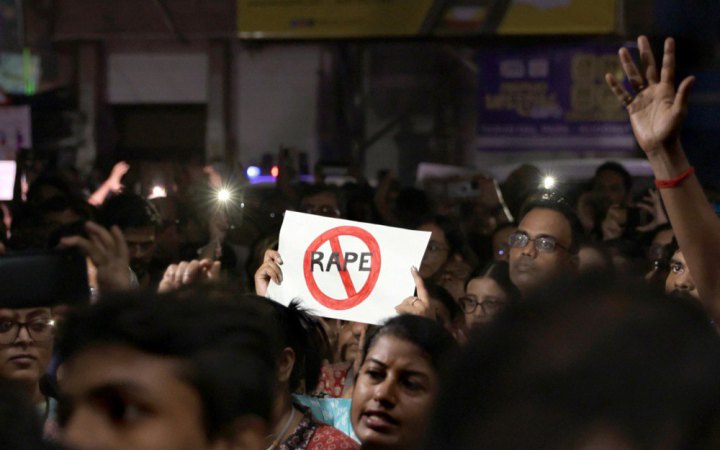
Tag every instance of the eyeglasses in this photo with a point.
(39, 330)
(544, 244)
(470, 304)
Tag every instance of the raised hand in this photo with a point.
(269, 270)
(115, 179)
(186, 272)
(108, 252)
(418, 305)
(657, 109)
(653, 205)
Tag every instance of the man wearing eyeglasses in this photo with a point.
(545, 245)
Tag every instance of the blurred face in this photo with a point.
(452, 277)
(591, 259)
(679, 281)
(442, 314)
(610, 184)
(393, 395)
(531, 268)
(141, 245)
(25, 350)
(437, 251)
(122, 398)
(322, 204)
(615, 222)
(501, 249)
(661, 239)
(482, 301)
(349, 340)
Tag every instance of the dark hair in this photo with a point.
(437, 343)
(442, 295)
(657, 230)
(581, 354)
(304, 334)
(20, 427)
(613, 166)
(413, 207)
(454, 235)
(607, 266)
(72, 229)
(226, 350)
(503, 226)
(66, 197)
(129, 210)
(310, 190)
(554, 201)
(499, 272)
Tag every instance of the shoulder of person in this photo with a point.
(330, 438)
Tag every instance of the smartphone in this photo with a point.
(8, 171)
(32, 279)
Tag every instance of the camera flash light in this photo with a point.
(548, 182)
(223, 195)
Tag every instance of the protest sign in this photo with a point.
(346, 270)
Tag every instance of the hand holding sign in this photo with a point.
(418, 305)
(341, 269)
(269, 270)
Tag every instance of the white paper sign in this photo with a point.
(346, 270)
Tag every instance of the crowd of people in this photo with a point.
(541, 318)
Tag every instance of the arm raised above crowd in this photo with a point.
(187, 272)
(656, 114)
(112, 184)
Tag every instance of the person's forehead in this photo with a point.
(609, 177)
(25, 312)
(120, 365)
(484, 286)
(321, 198)
(663, 237)
(399, 354)
(678, 256)
(437, 232)
(139, 234)
(545, 222)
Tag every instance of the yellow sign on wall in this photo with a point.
(560, 17)
(330, 18)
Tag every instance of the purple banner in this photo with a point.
(550, 98)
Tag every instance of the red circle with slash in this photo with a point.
(354, 297)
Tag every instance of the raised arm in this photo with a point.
(112, 184)
(656, 114)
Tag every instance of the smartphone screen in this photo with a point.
(8, 169)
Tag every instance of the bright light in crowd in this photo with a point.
(548, 182)
(275, 171)
(157, 192)
(253, 171)
(223, 195)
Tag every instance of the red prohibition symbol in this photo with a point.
(354, 297)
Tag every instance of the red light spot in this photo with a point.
(275, 171)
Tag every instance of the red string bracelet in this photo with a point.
(673, 182)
